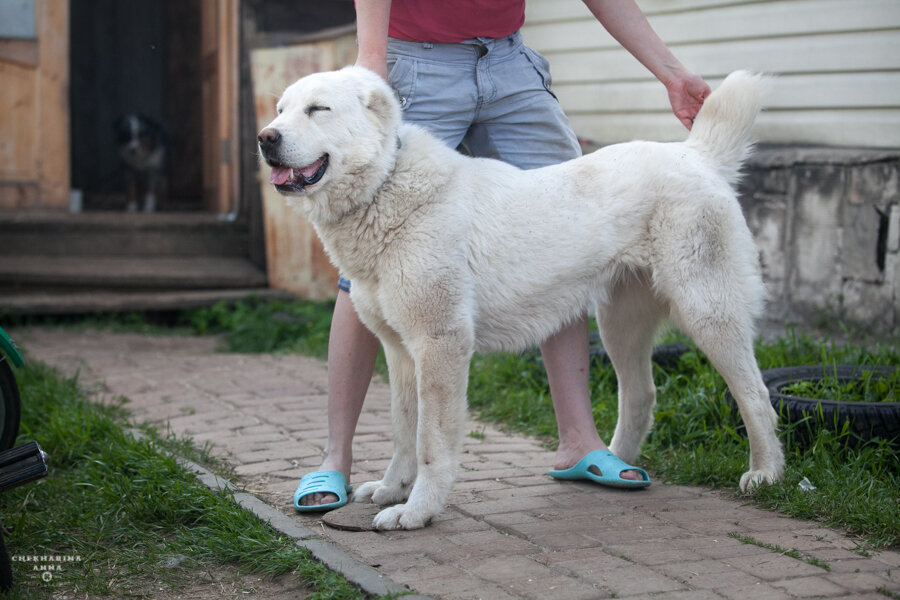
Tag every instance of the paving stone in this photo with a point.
(773, 567)
(706, 574)
(626, 580)
(506, 569)
(756, 591)
(810, 587)
(862, 582)
(508, 531)
(652, 553)
(559, 587)
(562, 541)
(261, 467)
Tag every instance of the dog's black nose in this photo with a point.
(269, 138)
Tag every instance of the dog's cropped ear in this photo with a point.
(380, 101)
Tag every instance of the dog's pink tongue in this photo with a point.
(280, 175)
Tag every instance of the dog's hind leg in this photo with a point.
(400, 475)
(628, 326)
(442, 370)
(716, 293)
(729, 346)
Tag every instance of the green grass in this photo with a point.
(267, 326)
(135, 519)
(871, 386)
(697, 438)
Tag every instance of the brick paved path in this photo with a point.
(509, 531)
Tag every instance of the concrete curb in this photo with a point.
(361, 575)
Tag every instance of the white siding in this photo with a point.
(837, 64)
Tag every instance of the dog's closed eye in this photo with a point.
(313, 108)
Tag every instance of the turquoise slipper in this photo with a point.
(609, 465)
(322, 482)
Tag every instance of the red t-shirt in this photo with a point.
(451, 21)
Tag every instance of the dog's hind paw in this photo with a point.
(401, 516)
(381, 493)
(754, 479)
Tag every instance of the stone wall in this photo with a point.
(827, 222)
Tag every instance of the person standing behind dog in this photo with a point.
(461, 70)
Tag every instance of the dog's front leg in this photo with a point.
(442, 371)
(401, 472)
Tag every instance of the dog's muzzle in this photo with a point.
(286, 178)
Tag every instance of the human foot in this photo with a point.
(315, 498)
(568, 458)
(321, 484)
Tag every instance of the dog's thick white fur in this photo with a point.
(450, 254)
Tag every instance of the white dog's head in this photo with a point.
(333, 142)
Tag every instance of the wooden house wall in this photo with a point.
(837, 64)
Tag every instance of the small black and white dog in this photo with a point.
(143, 143)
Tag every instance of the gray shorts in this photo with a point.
(490, 96)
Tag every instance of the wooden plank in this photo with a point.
(53, 131)
(34, 128)
(727, 23)
(211, 108)
(295, 258)
(104, 301)
(16, 196)
(833, 53)
(838, 62)
(791, 92)
(19, 121)
(229, 64)
(875, 128)
(537, 11)
(219, 32)
(21, 52)
(867, 128)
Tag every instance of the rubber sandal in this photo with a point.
(610, 467)
(322, 482)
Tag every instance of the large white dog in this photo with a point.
(449, 255)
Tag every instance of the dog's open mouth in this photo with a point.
(292, 179)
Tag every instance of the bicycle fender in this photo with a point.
(8, 347)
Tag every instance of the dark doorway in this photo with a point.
(139, 56)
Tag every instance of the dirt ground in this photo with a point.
(208, 584)
(225, 583)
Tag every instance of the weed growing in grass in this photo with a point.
(792, 552)
(888, 593)
(134, 517)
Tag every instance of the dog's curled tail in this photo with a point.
(721, 131)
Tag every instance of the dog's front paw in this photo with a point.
(381, 493)
(753, 479)
(401, 516)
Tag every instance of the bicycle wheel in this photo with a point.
(10, 406)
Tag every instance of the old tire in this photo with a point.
(867, 420)
(666, 356)
(10, 406)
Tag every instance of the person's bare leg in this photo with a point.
(352, 350)
(566, 359)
